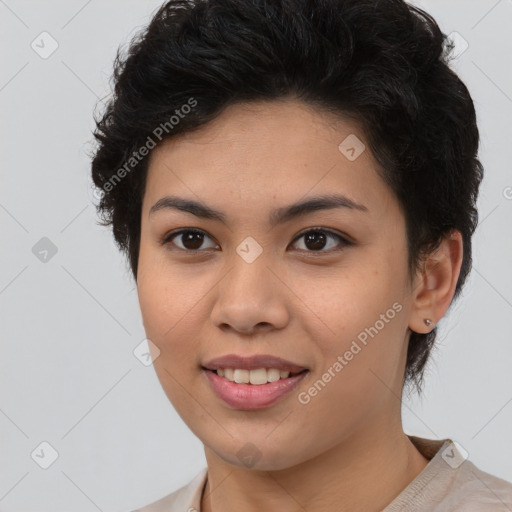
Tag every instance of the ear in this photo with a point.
(435, 283)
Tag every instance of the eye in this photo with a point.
(191, 239)
(316, 239)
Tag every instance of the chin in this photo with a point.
(258, 456)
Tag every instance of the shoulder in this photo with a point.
(184, 499)
(451, 483)
(474, 490)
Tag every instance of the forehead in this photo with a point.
(266, 153)
(255, 128)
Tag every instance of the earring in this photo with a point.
(427, 321)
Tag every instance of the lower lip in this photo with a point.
(251, 396)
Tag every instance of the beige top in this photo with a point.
(449, 483)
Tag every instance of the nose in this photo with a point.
(250, 299)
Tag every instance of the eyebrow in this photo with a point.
(277, 216)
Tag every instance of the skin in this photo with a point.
(303, 304)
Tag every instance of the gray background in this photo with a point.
(69, 325)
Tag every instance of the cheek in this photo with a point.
(359, 364)
(365, 316)
(164, 293)
(168, 323)
(154, 301)
(164, 311)
(170, 299)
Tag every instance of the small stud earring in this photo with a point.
(427, 321)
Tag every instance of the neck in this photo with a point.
(363, 473)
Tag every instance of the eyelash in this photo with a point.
(167, 239)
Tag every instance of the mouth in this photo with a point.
(258, 392)
(252, 382)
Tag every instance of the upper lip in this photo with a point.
(252, 363)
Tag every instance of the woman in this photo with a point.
(294, 183)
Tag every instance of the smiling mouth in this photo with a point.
(243, 389)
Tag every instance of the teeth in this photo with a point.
(257, 377)
(273, 374)
(241, 376)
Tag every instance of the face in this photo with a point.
(326, 289)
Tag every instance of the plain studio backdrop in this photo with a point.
(74, 396)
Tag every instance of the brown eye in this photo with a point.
(191, 239)
(316, 240)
